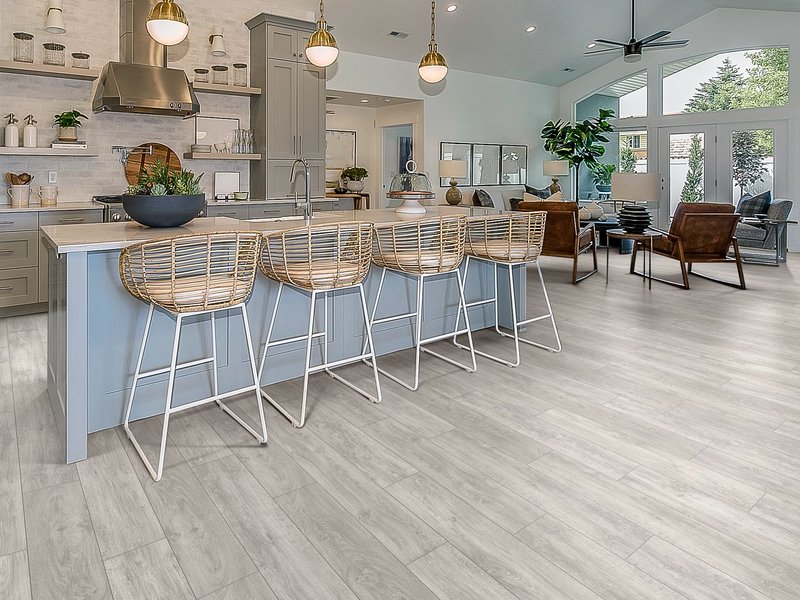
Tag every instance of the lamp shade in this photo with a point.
(55, 17)
(636, 187)
(453, 168)
(555, 168)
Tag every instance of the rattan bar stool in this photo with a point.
(187, 276)
(510, 240)
(423, 249)
(318, 260)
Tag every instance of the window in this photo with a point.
(627, 98)
(632, 152)
(727, 81)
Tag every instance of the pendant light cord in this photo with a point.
(322, 13)
(433, 24)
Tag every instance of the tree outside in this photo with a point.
(627, 159)
(693, 186)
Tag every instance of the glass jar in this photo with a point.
(240, 74)
(54, 54)
(220, 73)
(201, 75)
(80, 60)
(23, 47)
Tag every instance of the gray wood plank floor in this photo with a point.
(656, 457)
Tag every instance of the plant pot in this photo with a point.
(603, 188)
(67, 134)
(163, 211)
(355, 186)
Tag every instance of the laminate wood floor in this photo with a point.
(656, 458)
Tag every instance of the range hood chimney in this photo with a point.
(142, 83)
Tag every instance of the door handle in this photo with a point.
(301, 145)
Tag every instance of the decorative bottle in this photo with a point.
(30, 135)
(11, 132)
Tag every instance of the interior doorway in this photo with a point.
(398, 149)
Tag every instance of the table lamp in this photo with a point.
(555, 169)
(630, 188)
(454, 169)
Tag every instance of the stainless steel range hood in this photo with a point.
(142, 83)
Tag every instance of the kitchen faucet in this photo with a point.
(309, 213)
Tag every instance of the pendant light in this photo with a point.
(432, 67)
(167, 23)
(321, 49)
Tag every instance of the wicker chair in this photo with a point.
(701, 232)
(422, 249)
(510, 240)
(192, 275)
(318, 260)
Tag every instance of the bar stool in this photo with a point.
(318, 260)
(510, 240)
(423, 249)
(188, 276)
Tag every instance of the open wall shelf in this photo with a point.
(20, 68)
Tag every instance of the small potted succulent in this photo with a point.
(601, 176)
(68, 123)
(354, 176)
(164, 197)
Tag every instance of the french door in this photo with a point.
(719, 163)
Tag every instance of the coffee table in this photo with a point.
(648, 235)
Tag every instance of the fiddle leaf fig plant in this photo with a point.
(602, 172)
(579, 143)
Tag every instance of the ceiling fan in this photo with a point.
(632, 50)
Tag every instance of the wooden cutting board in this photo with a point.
(139, 159)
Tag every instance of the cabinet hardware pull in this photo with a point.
(6, 251)
(8, 288)
(71, 220)
(7, 222)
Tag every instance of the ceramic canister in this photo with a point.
(20, 195)
(48, 195)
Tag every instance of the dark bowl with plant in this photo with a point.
(601, 176)
(68, 123)
(164, 197)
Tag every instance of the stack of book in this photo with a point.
(79, 145)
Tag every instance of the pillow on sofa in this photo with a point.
(543, 194)
(557, 197)
(482, 198)
(750, 206)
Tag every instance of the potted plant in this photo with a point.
(164, 197)
(601, 176)
(354, 176)
(68, 123)
(580, 142)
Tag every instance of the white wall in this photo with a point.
(362, 121)
(466, 107)
(719, 30)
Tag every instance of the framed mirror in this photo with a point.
(514, 165)
(456, 151)
(340, 150)
(486, 164)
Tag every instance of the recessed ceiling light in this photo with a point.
(364, 100)
(530, 29)
(592, 45)
(451, 8)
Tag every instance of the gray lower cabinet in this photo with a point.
(279, 186)
(19, 249)
(225, 210)
(19, 286)
(270, 211)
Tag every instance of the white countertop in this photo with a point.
(7, 208)
(93, 237)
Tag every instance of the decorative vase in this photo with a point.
(355, 186)
(634, 218)
(163, 211)
(67, 134)
(453, 195)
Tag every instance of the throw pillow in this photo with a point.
(482, 198)
(557, 197)
(543, 194)
(526, 197)
(750, 206)
(514, 203)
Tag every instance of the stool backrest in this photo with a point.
(324, 256)
(434, 245)
(514, 237)
(192, 273)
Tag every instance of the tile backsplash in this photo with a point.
(93, 27)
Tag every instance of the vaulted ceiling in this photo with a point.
(488, 36)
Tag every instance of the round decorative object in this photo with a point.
(163, 211)
(142, 158)
(355, 186)
(634, 218)
(411, 187)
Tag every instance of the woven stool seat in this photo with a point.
(192, 273)
(426, 246)
(319, 257)
(506, 238)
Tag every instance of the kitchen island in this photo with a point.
(95, 327)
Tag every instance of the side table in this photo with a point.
(647, 236)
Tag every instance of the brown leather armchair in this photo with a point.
(563, 235)
(701, 232)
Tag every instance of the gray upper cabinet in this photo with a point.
(289, 116)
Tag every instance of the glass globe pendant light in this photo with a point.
(167, 23)
(432, 67)
(321, 48)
